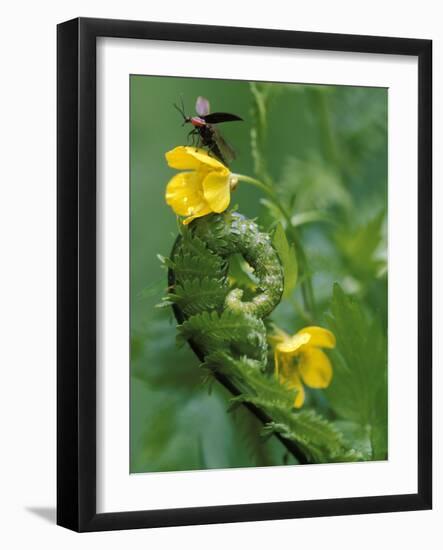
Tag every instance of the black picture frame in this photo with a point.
(76, 266)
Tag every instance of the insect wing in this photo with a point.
(202, 106)
(216, 118)
(226, 150)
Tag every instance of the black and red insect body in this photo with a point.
(204, 134)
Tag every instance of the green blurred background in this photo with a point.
(326, 149)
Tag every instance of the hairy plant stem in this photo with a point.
(306, 284)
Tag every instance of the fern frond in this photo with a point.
(195, 296)
(198, 263)
(319, 439)
(261, 388)
(231, 331)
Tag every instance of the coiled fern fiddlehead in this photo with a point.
(225, 326)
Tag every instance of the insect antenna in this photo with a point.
(181, 109)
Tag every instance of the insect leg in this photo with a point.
(199, 143)
(191, 135)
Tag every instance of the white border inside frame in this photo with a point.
(117, 490)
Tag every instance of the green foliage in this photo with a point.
(359, 435)
(194, 259)
(318, 438)
(311, 184)
(241, 274)
(200, 276)
(286, 253)
(156, 361)
(262, 451)
(233, 341)
(197, 295)
(230, 330)
(189, 433)
(323, 151)
(311, 216)
(360, 246)
(358, 392)
(359, 117)
(175, 423)
(257, 386)
(261, 94)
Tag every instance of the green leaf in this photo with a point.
(198, 295)
(273, 212)
(320, 440)
(187, 434)
(360, 119)
(230, 331)
(249, 428)
(286, 253)
(196, 260)
(261, 94)
(241, 273)
(360, 246)
(258, 387)
(358, 391)
(314, 183)
(359, 436)
(311, 216)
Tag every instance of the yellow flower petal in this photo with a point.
(283, 363)
(277, 335)
(294, 383)
(184, 195)
(289, 376)
(299, 397)
(315, 368)
(277, 363)
(201, 210)
(180, 159)
(216, 191)
(320, 337)
(203, 157)
(292, 344)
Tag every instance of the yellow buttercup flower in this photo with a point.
(205, 187)
(300, 360)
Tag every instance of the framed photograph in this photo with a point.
(244, 274)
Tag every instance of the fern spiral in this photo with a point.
(225, 325)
